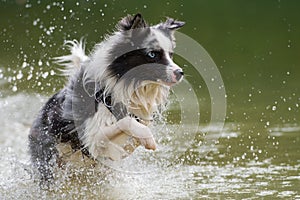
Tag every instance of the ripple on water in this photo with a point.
(286, 129)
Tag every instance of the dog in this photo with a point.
(110, 98)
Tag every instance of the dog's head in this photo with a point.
(145, 53)
(141, 68)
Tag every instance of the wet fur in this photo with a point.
(104, 90)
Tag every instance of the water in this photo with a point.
(256, 155)
(239, 166)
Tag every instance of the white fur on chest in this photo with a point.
(97, 141)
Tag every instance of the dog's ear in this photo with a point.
(172, 24)
(131, 22)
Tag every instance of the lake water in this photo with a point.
(255, 154)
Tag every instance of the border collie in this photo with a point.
(111, 96)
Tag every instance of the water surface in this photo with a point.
(255, 46)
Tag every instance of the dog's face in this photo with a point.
(145, 53)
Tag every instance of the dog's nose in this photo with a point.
(178, 74)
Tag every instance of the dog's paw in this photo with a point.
(138, 131)
(148, 143)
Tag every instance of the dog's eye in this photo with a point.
(152, 54)
(171, 54)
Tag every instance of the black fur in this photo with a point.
(132, 22)
(48, 129)
(62, 119)
(130, 60)
(52, 126)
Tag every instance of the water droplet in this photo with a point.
(259, 151)
(28, 6)
(24, 64)
(29, 76)
(243, 156)
(19, 76)
(35, 22)
(289, 43)
(45, 75)
(14, 88)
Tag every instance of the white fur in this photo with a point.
(95, 71)
(162, 41)
(73, 62)
(100, 130)
(144, 101)
(94, 138)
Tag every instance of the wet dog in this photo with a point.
(111, 96)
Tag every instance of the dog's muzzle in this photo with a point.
(178, 74)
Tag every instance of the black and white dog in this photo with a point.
(115, 91)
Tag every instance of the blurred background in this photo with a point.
(255, 45)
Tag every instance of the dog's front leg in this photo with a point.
(97, 138)
(131, 127)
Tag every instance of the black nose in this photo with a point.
(178, 73)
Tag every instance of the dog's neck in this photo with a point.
(147, 100)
